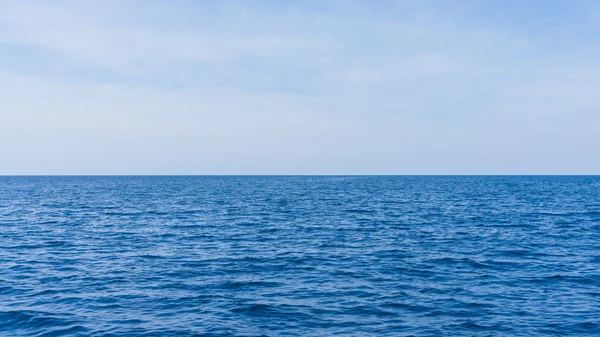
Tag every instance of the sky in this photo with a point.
(299, 87)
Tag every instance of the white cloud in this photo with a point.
(232, 88)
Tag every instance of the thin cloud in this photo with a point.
(262, 87)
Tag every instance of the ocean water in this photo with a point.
(300, 256)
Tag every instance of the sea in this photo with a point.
(299, 256)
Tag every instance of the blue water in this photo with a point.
(299, 256)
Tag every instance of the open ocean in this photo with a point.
(300, 256)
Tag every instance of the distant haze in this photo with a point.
(300, 87)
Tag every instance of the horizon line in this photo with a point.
(302, 175)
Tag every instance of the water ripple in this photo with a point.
(299, 256)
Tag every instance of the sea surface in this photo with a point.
(300, 256)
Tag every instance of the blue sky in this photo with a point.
(299, 87)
